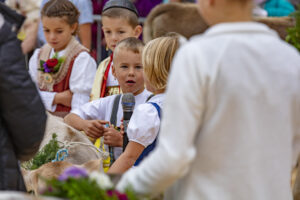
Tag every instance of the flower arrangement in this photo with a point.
(75, 184)
(52, 65)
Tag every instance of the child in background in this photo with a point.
(92, 117)
(84, 22)
(62, 68)
(119, 21)
(144, 124)
(230, 127)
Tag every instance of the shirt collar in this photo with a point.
(239, 27)
(60, 53)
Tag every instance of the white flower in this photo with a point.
(101, 179)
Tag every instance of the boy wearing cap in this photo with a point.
(119, 21)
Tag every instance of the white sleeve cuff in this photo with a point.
(48, 98)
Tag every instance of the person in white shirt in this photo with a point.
(144, 124)
(230, 127)
(92, 117)
(62, 69)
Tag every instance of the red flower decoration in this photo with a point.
(52, 62)
(120, 196)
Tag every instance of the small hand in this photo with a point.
(94, 128)
(112, 137)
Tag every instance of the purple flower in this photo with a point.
(73, 172)
(46, 68)
(120, 196)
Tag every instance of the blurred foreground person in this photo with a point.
(22, 114)
(230, 127)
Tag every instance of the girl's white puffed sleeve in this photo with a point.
(144, 125)
(81, 80)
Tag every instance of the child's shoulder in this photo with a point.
(148, 106)
(105, 100)
(104, 62)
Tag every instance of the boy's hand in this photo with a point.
(64, 98)
(94, 128)
(112, 137)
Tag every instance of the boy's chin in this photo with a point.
(133, 91)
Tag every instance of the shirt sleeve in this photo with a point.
(144, 125)
(81, 80)
(47, 97)
(92, 110)
(182, 118)
(85, 8)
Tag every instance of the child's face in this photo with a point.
(57, 32)
(117, 29)
(127, 68)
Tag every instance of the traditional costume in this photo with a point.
(144, 124)
(76, 73)
(101, 109)
(105, 83)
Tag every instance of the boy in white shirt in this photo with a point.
(230, 128)
(144, 124)
(92, 117)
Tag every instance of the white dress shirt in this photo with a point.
(231, 123)
(145, 123)
(101, 109)
(111, 80)
(81, 79)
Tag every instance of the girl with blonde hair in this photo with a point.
(144, 124)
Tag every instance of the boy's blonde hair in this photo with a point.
(130, 44)
(123, 13)
(157, 57)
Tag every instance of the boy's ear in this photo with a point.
(113, 70)
(137, 31)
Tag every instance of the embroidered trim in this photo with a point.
(73, 49)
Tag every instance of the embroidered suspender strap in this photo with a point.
(152, 95)
(149, 148)
(105, 77)
(113, 121)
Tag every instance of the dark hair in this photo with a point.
(61, 8)
(130, 16)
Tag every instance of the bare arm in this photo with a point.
(127, 158)
(85, 35)
(92, 128)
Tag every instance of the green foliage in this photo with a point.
(293, 36)
(47, 154)
(41, 64)
(84, 189)
(76, 189)
(60, 61)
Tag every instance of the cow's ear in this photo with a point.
(93, 165)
